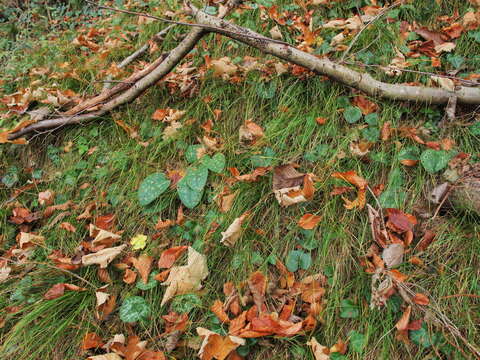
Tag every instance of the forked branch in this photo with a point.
(136, 84)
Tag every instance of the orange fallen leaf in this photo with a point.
(169, 256)
(309, 221)
(143, 264)
(421, 299)
(58, 290)
(217, 309)
(91, 341)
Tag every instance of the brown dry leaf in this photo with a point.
(361, 185)
(364, 104)
(392, 255)
(319, 351)
(223, 67)
(445, 47)
(103, 257)
(286, 185)
(163, 224)
(217, 309)
(29, 239)
(58, 290)
(105, 304)
(91, 341)
(129, 276)
(250, 132)
(225, 200)
(234, 231)
(102, 237)
(215, 346)
(257, 283)
(421, 299)
(260, 171)
(46, 197)
(169, 256)
(4, 273)
(105, 222)
(402, 325)
(143, 264)
(68, 227)
(109, 356)
(186, 278)
(436, 37)
(309, 221)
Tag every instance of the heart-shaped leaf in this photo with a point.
(434, 160)
(357, 341)
(215, 163)
(133, 309)
(297, 259)
(189, 197)
(152, 187)
(196, 178)
(191, 154)
(348, 309)
(352, 114)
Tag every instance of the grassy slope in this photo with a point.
(119, 165)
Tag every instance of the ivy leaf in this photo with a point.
(264, 160)
(348, 310)
(186, 303)
(188, 196)
(371, 133)
(197, 178)
(152, 187)
(475, 129)
(297, 259)
(308, 240)
(456, 60)
(409, 153)
(421, 337)
(150, 284)
(191, 154)
(434, 160)
(215, 163)
(352, 114)
(357, 341)
(133, 309)
(371, 119)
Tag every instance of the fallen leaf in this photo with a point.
(138, 242)
(364, 104)
(275, 33)
(103, 257)
(257, 283)
(91, 341)
(215, 346)
(392, 255)
(109, 356)
(223, 67)
(186, 278)
(250, 132)
(67, 226)
(129, 276)
(217, 309)
(169, 256)
(102, 237)
(361, 185)
(309, 221)
(234, 231)
(444, 82)
(46, 197)
(421, 299)
(58, 290)
(143, 264)
(319, 351)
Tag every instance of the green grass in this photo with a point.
(54, 329)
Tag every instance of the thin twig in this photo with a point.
(378, 16)
(55, 268)
(206, 27)
(475, 296)
(442, 202)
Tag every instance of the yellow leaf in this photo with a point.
(138, 242)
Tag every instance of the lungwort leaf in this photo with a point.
(152, 187)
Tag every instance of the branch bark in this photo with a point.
(340, 73)
(137, 83)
